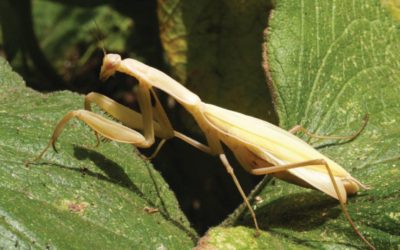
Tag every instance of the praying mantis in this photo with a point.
(260, 147)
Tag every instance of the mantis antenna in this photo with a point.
(99, 40)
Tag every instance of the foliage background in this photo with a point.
(311, 51)
(69, 38)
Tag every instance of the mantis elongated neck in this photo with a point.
(160, 80)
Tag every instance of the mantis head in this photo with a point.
(110, 65)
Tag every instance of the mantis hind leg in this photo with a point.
(299, 128)
(321, 162)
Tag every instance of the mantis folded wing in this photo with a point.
(260, 147)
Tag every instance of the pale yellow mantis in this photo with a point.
(260, 147)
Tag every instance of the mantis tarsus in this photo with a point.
(260, 147)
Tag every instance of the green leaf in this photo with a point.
(393, 6)
(214, 48)
(82, 197)
(243, 238)
(68, 33)
(330, 63)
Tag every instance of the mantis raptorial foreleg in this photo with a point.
(121, 113)
(162, 126)
(109, 129)
(131, 118)
(115, 131)
(126, 116)
(134, 120)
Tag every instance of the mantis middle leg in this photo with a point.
(230, 171)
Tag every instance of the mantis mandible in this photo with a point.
(260, 147)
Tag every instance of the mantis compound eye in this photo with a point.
(110, 65)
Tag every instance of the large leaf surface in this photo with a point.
(214, 48)
(82, 197)
(330, 63)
